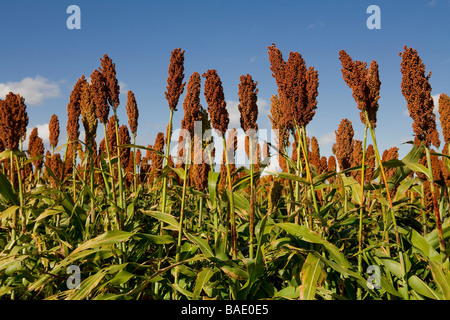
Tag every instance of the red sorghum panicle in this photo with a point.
(73, 115)
(369, 163)
(89, 118)
(390, 154)
(357, 158)
(124, 138)
(99, 91)
(417, 91)
(53, 128)
(297, 87)
(132, 112)
(108, 69)
(111, 136)
(444, 116)
(215, 99)
(344, 144)
(36, 148)
(13, 120)
(175, 84)
(157, 160)
(365, 84)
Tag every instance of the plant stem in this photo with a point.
(361, 209)
(111, 169)
(435, 205)
(231, 198)
(252, 204)
(302, 136)
(377, 154)
(181, 223)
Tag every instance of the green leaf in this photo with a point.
(164, 239)
(212, 187)
(107, 238)
(420, 243)
(288, 293)
(417, 167)
(202, 244)
(8, 212)
(310, 274)
(309, 236)
(164, 217)
(6, 191)
(202, 279)
(441, 278)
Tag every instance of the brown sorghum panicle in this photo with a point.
(108, 69)
(444, 116)
(322, 165)
(111, 136)
(314, 156)
(249, 110)
(36, 148)
(157, 160)
(138, 157)
(73, 115)
(89, 118)
(357, 158)
(124, 138)
(417, 91)
(390, 154)
(297, 87)
(247, 102)
(191, 103)
(344, 144)
(365, 84)
(215, 99)
(132, 112)
(53, 127)
(331, 166)
(369, 163)
(99, 91)
(175, 84)
(276, 118)
(13, 120)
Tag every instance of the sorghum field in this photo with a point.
(140, 224)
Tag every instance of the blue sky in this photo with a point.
(42, 59)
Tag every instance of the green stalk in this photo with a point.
(121, 201)
(111, 169)
(302, 133)
(11, 177)
(378, 158)
(165, 161)
(299, 171)
(181, 224)
(164, 194)
(251, 199)
(134, 164)
(435, 205)
(232, 217)
(361, 209)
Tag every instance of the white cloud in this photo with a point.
(34, 90)
(123, 88)
(432, 3)
(263, 106)
(326, 139)
(436, 103)
(234, 114)
(315, 25)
